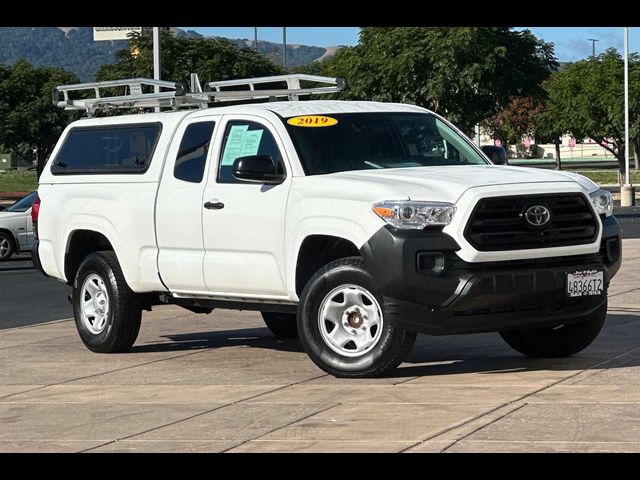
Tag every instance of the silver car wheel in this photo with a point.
(4, 247)
(94, 308)
(350, 320)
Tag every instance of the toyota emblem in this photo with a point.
(537, 215)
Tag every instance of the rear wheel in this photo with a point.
(7, 247)
(282, 325)
(342, 326)
(107, 313)
(562, 341)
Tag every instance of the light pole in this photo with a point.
(255, 38)
(156, 60)
(284, 47)
(628, 194)
(593, 45)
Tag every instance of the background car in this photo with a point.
(16, 230)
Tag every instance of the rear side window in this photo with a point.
(108, 149)
(192, 156)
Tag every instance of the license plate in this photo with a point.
(584, 283)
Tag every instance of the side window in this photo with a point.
(107, 149)
(242, 139)
(192, 155)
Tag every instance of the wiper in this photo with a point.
(374, 165)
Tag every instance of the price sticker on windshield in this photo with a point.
(312, 121)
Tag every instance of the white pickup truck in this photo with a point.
(353, 225)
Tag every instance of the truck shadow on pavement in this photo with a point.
(618, 345)
(250, 337)
(447, 355)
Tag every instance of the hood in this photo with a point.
(450, 182)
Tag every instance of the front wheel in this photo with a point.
(341, 323)
(562, 341)
(106, 311)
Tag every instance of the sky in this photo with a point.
(571, 43)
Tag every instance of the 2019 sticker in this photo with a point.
(312, 121)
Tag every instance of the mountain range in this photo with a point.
(73, 48)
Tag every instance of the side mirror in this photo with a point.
(258, 169)
(498, 155)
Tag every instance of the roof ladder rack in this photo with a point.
(175, 94)
(133, 99)
(228, 91)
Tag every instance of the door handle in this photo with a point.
(214, 205)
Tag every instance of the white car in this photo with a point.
(354, 225)
(16, 229)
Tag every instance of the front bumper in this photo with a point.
(479, 297)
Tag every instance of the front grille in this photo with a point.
(498, 223)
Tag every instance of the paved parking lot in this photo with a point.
(222, 383)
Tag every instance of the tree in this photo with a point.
(212, 59)
(515, 121)
(466, 74)
(28, 119)
(550, 124)
(586, 99)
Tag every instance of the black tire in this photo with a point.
(282, 325)
(7, 241)
(125, 312)
(564, 341)
(393, 346)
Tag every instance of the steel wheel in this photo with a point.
(350, 320)
(95, 304)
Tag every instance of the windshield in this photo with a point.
(22, 205)
(361, 141)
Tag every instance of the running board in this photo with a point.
(208, 304)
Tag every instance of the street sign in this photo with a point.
(113, 33)
(572, 143)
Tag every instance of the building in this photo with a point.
(569, 148)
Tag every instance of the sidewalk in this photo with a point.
(222, 383)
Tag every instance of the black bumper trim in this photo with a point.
(480, 297)
(417, 317)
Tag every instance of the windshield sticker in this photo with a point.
(312, 121)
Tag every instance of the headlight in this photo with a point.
(414, 215)
(602, 202)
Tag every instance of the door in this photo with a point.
(244, 233)
(179, 206)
